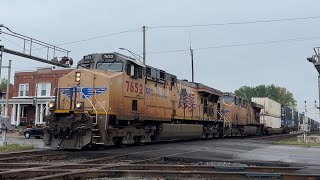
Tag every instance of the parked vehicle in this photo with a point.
(36, 132)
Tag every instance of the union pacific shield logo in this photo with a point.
(84, 93)
(88, 92)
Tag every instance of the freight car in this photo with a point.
(289, 119)
(113, 99)
(270, 115)
(314, 125)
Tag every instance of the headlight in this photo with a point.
(51, 105)
(78, 74)
(79, 105)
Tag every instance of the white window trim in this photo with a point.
(39, 89)
(24, 85)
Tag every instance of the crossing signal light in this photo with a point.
(66, 60)
(311, 59)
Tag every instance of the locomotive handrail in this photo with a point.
(224, 118)
(106, 123)
(91, 104)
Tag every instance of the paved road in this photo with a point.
(15, 138)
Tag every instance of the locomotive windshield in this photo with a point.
(85, 66)
(113, 66)
(227, 99)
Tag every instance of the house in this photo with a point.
(31, 93)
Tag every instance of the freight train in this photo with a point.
(113, 99)
(291, 119)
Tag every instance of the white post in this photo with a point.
(2, 109)
(4, 135)
(41, 113)
(13, 114)
(18, 115)
(47, 109)
(8, 90)
(36, 117)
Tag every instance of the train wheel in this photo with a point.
(139, 141)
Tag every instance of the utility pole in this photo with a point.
(1, 55)
(144, 44)
(4, 129)
(8, 85)
(316, 62)
(319, 94)
(191, 53)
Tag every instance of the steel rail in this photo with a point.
(277, 137)
(175, 174)
(42, 157)
(205, 168)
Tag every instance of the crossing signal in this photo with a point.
(66, 60)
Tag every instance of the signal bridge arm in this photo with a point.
(56, 63)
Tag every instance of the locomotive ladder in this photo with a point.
(226, 121)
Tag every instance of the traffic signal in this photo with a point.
(310, 59)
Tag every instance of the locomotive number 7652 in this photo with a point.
(134, 87)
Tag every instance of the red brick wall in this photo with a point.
(34, 77)
(41, 75)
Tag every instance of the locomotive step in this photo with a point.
(96, 136)
(95, 130)
(98, 143)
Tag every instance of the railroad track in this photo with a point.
(138, 164)
(277, 137)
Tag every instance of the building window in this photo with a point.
(23, 90)
(43, 89)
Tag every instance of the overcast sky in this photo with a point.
(283, 64)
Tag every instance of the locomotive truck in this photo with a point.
(113, 99)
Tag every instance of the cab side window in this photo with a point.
(137, 71)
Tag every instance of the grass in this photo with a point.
(292, 142)
(15, 147)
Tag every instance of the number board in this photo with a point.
(87, 58)
(108, 56)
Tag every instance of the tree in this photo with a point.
(279, 94)
(3, 85)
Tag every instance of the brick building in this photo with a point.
(31, 93)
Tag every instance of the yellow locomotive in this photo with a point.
(113, 99)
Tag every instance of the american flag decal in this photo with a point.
(186, 100)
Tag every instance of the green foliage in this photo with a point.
(15, 147)
(3, 85)
(291, 142)
(279, 94)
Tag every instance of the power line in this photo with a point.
(234, 23)
(188, 26)
(239, 45)
(98, 37)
